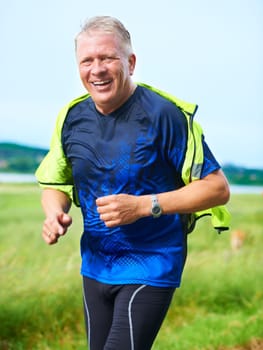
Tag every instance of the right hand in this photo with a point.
(55, 227)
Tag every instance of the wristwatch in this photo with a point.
(156, 208)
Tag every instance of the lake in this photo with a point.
(243, 189)
(30, 178)
(17, 178)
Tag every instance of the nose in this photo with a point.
(98, 66)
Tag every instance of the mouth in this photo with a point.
(101, 83)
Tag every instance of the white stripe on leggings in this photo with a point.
(88, 316)
(130, 316)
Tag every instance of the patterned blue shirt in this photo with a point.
(138, 149)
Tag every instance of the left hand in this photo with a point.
(55, 227)
(118, 209)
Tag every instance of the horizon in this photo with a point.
(42, 148)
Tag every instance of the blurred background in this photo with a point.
(205, 52)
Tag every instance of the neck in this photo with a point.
(108, 109)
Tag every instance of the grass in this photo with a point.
(219, 304)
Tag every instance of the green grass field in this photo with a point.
(219, 305)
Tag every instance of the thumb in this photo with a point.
(65, 221)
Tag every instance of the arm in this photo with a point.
(56, 205)
(198, 195)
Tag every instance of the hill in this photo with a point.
(17, 158)
(243, 176)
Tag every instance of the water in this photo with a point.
(30, 178)
(245, 189)
(17, 178)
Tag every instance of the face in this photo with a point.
(105, 70)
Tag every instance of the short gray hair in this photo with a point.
(109, 25)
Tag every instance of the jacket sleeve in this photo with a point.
(55, 170)
(193, 164)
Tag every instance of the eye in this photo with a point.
(109, 59)
(86, 62)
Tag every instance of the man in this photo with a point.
(123, 153)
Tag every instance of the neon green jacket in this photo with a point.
(55, 170)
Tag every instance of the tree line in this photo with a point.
(17, 158)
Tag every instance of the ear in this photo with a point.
(132, 63)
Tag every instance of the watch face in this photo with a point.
(156, 210)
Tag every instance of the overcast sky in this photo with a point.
(207, 52)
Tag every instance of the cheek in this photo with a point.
(126, 71)
(83, 72)
(84, 76)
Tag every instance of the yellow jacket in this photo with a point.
(55, 170)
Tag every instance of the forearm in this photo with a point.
(196, 196)
(123, 209)
(54, 202)
(199, 195)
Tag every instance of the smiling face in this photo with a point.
(105, 69)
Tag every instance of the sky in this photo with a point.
(205, 52)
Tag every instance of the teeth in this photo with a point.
(101, 82)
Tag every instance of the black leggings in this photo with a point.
(123, 317)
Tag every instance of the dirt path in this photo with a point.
(255, 344)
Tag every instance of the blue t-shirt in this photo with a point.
(138, 149)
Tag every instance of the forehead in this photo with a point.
(97, 41)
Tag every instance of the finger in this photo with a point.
(53, 236)
(54, 229)
(108, 207)
(101, 201)
(49, 234)
(112, 223)
(65, 220)
(108, 216)
(50, 238)
(103, 209)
